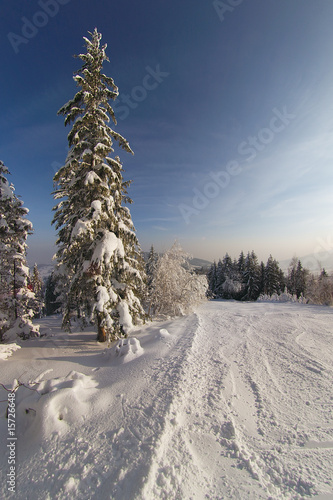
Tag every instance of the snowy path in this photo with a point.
(233, 402)
(249, 394)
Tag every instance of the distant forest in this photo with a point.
(247, 279)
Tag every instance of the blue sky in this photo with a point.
(227, 105)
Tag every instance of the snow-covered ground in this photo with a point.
(232, 402)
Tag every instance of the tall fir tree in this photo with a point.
(301, 278)
(35, 281)
(291, 278)
(274, 278)
(36, 285)
(219, 280)
(251, 277)
(241, 262)
(212, 281)
(16, 300)
(51, 296)
(151, 265)
(98, 250)
(262, 278)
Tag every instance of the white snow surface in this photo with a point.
(232, 402)
(6, 350)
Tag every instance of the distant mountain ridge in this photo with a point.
(195, 262)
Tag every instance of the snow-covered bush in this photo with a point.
(176, 289)
(22, 328)
(320, 289)
(282, 297)
(231, 288)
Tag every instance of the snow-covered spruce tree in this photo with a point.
(150, 272)
(51, 297)
(35, 281)
(211, 277)
(176, 288)
(16, 300)
(36, 285)
(220, 277)
(98, 249)
(251, 277)
(274, 278)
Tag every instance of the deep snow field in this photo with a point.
(232, 402)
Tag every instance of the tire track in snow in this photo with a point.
(144, 419)
(286, 385)
(200, 438)
(233, 418)
(114, 458)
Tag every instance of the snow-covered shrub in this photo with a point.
(320, 289)
(176, 289)
(282, 297)
(22, 328)
(231, 288)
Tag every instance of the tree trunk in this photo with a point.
(101, 333)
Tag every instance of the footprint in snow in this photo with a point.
(129, 349)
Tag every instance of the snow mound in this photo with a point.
(6, 350)
(128, 349)
(164, 334)
(22, 328)
(53, 406)
(74, 380)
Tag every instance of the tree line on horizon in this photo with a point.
(247, 279)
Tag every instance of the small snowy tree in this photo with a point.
(98, 250)
(16, 300)
(241, 262)
(212, 281)
(176, 289)
(151, 265)
(251, 277)
(35, 281)
(36, 285)
(274, 278)
(319, 289)
(150, 271)
(297, 278)
(51, 297)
